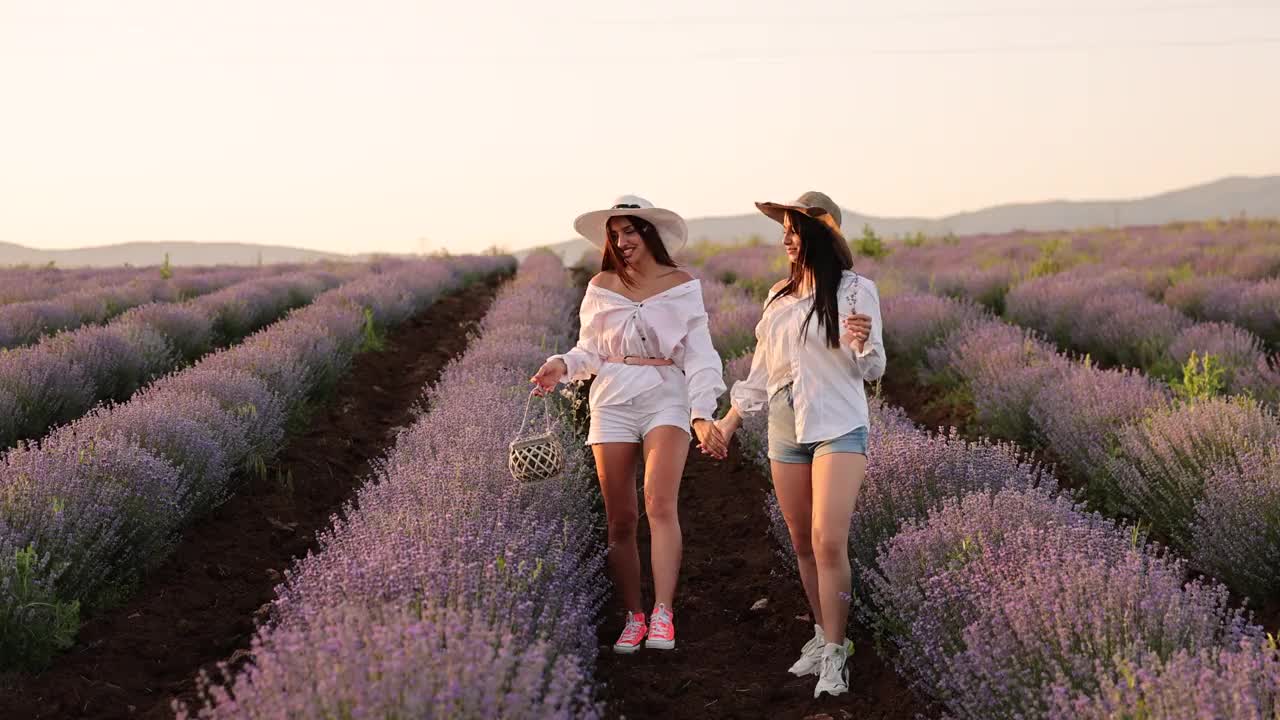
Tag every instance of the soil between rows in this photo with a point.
(201, 606)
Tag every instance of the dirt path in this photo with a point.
(731, 661)
(200, 606)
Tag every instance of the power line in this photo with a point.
(925, 16)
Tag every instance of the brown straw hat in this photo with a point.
(817, 206)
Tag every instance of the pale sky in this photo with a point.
(397, 126)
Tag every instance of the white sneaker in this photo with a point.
(810, 655)
(834, 678)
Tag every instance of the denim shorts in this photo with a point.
(782, 435)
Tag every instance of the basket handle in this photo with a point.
(527, 404)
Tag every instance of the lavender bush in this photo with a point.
(101, 499)
(915, 472)
(1080, 413)
(446, 562)
(1237, 352)
(61, 377)
(22, 323)
(994, 600)
(1160, 465)
(1003, 368)
(1235, 535)
(1240, 681)
(915, 322)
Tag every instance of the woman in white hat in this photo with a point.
(644, 336)
(818, 341)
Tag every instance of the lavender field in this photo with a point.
(1097, 533)
(1072, 507)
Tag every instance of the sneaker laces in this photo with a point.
(633, 629)
(833, 667)
(660, 622)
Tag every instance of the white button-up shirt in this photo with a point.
(827, 384)
(671, 324)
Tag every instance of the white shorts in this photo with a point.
(629, 422)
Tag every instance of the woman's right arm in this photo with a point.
(582, 361)
(579, 363)
(749, 396)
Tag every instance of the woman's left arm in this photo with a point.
(868, 355)
(702, 366)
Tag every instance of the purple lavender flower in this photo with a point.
(915, 322)
(996, 599)
(1004, 368)
(1079, 414)
(444, 556)
(1237, 351)
(1235, 535)
(1239, 681)
(1159, 466)
(101, 498)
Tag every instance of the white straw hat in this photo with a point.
(671, 227)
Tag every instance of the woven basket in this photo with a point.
(538, 457)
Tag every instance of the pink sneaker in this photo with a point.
(662, 632)
(632, 634)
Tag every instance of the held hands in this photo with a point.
(714, 437)
(710, 440)
(857, 328)
(551, 372)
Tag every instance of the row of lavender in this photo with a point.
(1112, 316)
(61, 377)
(24, 284)
(448, 590)
(1000, 597)
(22, 323)
(92, 506)
(1203, 470)
(982, 267)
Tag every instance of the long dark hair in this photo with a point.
(820, 259)
(612, 261)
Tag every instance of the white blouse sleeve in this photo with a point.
(584, 359)
(702, 366)
(870, 362)
(752, 395)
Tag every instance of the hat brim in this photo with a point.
(777, 212)
(671, 227)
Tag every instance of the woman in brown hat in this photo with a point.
(644, 336)
(817, 343)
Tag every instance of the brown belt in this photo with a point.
(637, 360)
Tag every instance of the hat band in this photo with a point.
(625, 206)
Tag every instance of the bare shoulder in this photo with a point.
(680, 277)
(777, 286)
(605, 279)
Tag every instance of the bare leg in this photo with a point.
(792, 483)
(665, 450)
(837, 479)
(616, 467)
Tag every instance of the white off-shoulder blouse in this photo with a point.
(670, 324)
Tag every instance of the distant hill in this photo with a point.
(180, 253)
(1229, 197)
(152, 254)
